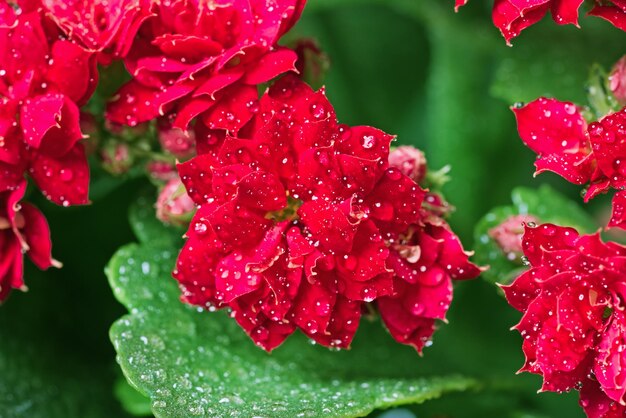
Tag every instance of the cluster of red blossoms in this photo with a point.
(574, 327)
(302, 221)
(44, 78)
(513, 16)
(573, 295)
(593, 154)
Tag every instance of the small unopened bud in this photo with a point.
(181, 144)
(174, 206)
(508, 235)
(91, 134)
(410, 161)
(312, 63)
(161, 171)
(116, 157)
(617, 81)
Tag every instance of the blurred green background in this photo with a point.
(442, 82)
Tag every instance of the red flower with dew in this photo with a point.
(572, 300)
(200, 58)
(613, 11)
(106, 26)
(513, 16)
(581, 153)
(23, 230)
(301, 221)
(43, 80)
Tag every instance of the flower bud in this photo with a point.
(617, 81)
(312, 63)
(410, 161)
(174, 206)
(508, 235)
(181, 144)
(161, 170)
(116, 157)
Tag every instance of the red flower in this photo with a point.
(573, 323)
(513, 16)
(23, 229)
(613, 11)
(594, 154)
(297, 223)
(194, 58)
(43, 80)
(107, 26)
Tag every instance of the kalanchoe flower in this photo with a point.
(43, 80)
(581, 153)
(174, 206)
(106, 26)
(613, 11)
(617, 81)
(205, 58)
(513, 16)
(410, 161)
(508, 235)
(573, 324)
(23, 229)
(301, 221)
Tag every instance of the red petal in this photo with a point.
(271, 65)
(63, 180)
(37, 235)
(73, 71)
(556, 132)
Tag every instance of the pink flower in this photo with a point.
(573, 323)
(198, 58)
(173, 205)
(23, 229)
(298, 219)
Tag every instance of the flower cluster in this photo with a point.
(573, 326)
(301, 221)
(204, 59)
(513, 16)
(44, 79)
(593, 154)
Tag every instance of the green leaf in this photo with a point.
(192, 362)
(147, 228)
(132, 400)
(36, 383)
(546, 205)
(559, 67)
